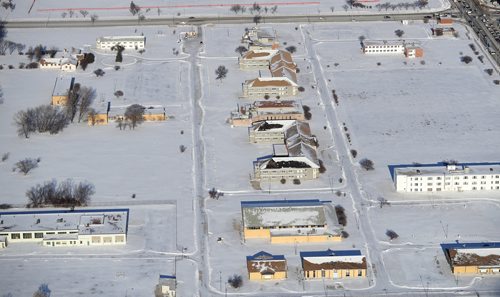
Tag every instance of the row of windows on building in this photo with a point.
(30, 235)
(285, 227)
(458, 183)
(383, 51)
(439, 189)
(457, 177)
(334, 271)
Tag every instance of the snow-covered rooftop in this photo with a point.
(62, 85)
(120, 38)
(283, 213)
(450, 170)
(90, 221)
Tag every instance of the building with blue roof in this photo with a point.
(87, 227)
(442, 177)
(333, 264)
(264, 266)
(473, 257)
(287, 221)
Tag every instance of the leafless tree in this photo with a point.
(366, 164)
(87, 96)
(235, 8)
(399, 33)
(94, 18)
(391, 234)
(84, 13)
(221, 72)
(26, 165)
(235, 281)
(241, 50)
(118, 94)
(292, 49)
(135, 114)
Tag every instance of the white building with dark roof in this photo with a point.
(85, 227)
(251, 113)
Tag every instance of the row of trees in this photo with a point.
(254, 8)
(79, 101)
(65, 194)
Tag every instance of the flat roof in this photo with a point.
(85, 221)
(283, 213)
(392, 168)
(331, 253)
(460, 169)
(121, 38)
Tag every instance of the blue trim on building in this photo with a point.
(281, 203)
(262, 253)
(330, 252)
(470, 245)
(167, 276)
(438, 164)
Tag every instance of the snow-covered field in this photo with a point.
(400, 111)
(71, 9)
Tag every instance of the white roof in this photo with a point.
(83, 221)
(120, 38)
(442, 170)
(333, 258)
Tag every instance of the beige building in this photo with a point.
(274, 169)
(264, 266)
(384, 47)
(287, 221)
(64, 64)
(333, 264)
(248, 114)
(60, 92)
(277, 131)
(455, 178)
(473, 258)
(128, 42)
(58, 228)
(103, 116)
(260, 39)
(269, 86)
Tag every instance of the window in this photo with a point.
(348, 273)
(96, 239)
(15, 236)
(360, 272)
(323, 273)
(27, 235)
(38, 235)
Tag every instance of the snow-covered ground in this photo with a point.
(400, 111)
(71, 9)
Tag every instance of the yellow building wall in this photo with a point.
(256, 233)
(340, 273)
(256, 276)
(59, 100)
(98, 119)
(457, 270)
(304, 239)
(155, 117)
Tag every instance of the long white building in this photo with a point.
(383, 47)
(56, 228)
(472, 177)
(128, 42)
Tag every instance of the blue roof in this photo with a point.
(438, 164)
(263, 256)
(167, 276)
(470, 245)
(330, 252)
(278, 203)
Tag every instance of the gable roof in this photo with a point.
(271, 82)
(265, 263)
(329, 259)
(263, 256)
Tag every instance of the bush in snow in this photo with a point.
(366, 164)
(5, 156)
(66, 194)
(235, 281)
(44, 118)
(341, 217)
(26, 165)
(43, 291)
(391, 234)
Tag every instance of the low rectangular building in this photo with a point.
(60, 92)
(473, 258)
(286, 221)
(274, 169)
(333, 264)
(414, 52)
(451, 177)
(66, 227)
(277, 132)
(109, 114)
(264, 266)
(443, 31)
(248, 114)
(383, 47)
(128, 42)
(269, 86)
(64, 64)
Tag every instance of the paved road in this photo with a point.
(213, 20)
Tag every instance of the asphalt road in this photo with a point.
(212, 20)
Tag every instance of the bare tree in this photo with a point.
(84, 13)
(221, 72)
(26, 165)
(399, 33)
(118, 94)
(99, 72)
(135, 114)
(44, 118)
(235, 8)
(87, 97)
(391, 234)
(134, 9)
(235, 281)
(257, 19)
(43, 291)
(466, 59)
(292, 49)
(94, 18)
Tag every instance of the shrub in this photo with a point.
(32, 65)
(5, 156)
(496, 82)
(283, 181)
(341, 217)
(26, 165)
(489, 71)
(99, 72)
(354, 153)
(466, 59)
(182, 148)
(215, 194)
(65, 194)
(296, 181)
(391, 234)
(344, 234)
(366, 164)
(235, 281)
(301, 89)
(117, 67)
